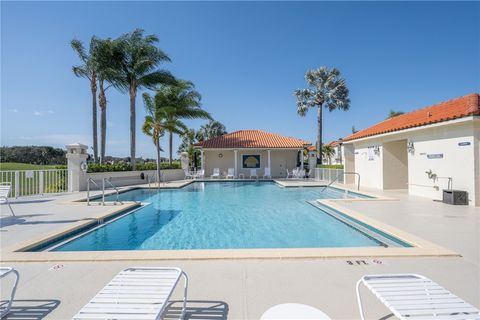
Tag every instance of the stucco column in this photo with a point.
(77, 166)
(301, 159)
(202, 157)
(236, 162)
(269, 160)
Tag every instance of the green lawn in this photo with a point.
(24, 166)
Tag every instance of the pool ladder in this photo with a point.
(108, 180)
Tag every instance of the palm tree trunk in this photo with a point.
(93, 87)
(103, 121)
(319, 134)
(170, 145)
(157, 144)
(133, 95)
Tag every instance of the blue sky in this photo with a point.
(246, 60)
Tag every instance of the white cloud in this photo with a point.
(14, 110)
(37, 113)
(42, 113)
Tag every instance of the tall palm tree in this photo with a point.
(88, 70)
(140, 61)
(328, 151)
(188, 140)
(184, 103)
(326, 88)
(211, 130)
(108, 56)
(155, 124)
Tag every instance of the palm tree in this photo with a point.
(184, 103)
(328, 151)
(140, 61)
(326, 89)
(108, 56)
(392, 114)
(188, 140)
(155, 124)
(88, 70)
(211, 130)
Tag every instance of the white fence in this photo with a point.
(32, 182)
(324, 174)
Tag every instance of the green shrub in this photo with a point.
(122, 166)
(330, 166)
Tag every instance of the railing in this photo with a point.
(109, 180)
(36, 182)
(341, 175)
(151, 179)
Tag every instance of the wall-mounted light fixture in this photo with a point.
(376, 150)
(410, 147)
(220, 155)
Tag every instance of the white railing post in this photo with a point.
(41, 182)
(17, 183)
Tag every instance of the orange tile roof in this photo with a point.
(252, 139)
(465, 106)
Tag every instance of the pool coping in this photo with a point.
(420, 247)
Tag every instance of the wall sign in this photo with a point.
(435, 156)
(251, 161)
(464, 143)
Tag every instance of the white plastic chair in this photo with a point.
(267, 173)
(231, 173)
(4, 192)
(294, 311)
(290, 174)
(216, 173)
(412, 296)
(200, 174)
(136, 293)
(5, 271)
(189, 174)
(253, 173)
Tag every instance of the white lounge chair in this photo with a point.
(189, 174)
(231, 173)
(290, 174)
(300, 173)
(200, 174)
(293, 311)
(5, 271)
(4, 192)
(267, 173)
(253, 173)
(412, 296)
(136, 293)
(216, 173)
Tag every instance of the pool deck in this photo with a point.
(244, 288)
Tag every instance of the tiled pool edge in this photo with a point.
(422, 248)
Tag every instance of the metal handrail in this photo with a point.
(114, 187)
(338, 176)
(151, 179)
(88, 191)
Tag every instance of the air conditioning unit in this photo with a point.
(456, 197)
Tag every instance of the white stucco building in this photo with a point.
(247, 149)
(424, 151)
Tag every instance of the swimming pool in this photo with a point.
(228, 215)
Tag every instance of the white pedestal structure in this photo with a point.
(77, 164)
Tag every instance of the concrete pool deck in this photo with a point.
(244, 288)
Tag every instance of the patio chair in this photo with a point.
(290, 174)
(300, 174)
(200, 174)
(5, 271)
(267, 173)
(231, 173)
(253, 173)
(4, 192)
(136, 293)
(412, 296)
(216, 173)
(189, 174)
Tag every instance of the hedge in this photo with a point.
(122, 166)
(330, 166)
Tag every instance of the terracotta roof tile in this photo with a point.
(252, 139)
(465, 106)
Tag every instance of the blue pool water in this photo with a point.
(221, 215)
